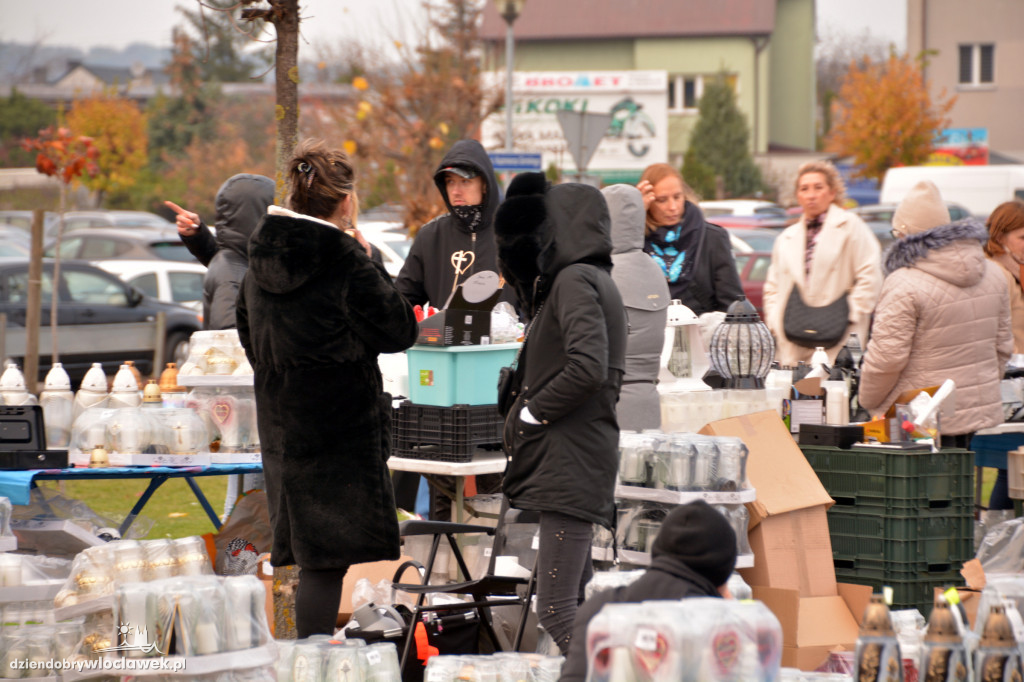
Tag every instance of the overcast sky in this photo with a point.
(117, 23)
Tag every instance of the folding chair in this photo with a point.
(487, 591)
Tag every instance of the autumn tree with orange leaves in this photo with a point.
(884, 116)
(401, 121)
(118, 131)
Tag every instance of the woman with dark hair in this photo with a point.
(694, 255)
(313, 314)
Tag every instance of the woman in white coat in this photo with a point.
(828, 254)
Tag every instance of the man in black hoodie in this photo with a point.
(446, 252)
(454, 246)
(693, 556)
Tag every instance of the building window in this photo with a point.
(977, 64)
(684, 91)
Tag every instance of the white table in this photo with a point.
(483, 462)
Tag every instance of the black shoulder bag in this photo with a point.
(510, 379)
(813, 326)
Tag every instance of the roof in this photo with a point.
(605, 19)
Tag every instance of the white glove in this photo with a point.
(525, 416)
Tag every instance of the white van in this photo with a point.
(979, 188)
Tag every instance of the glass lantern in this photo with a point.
(742, 348)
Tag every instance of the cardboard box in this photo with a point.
(374, 571)
(813, 626)
(793, 550)
(776, 467)
(466, 318)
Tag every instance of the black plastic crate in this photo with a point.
(448, 434)
(891, 481)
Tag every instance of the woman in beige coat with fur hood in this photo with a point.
(829, 253)
(944, 313)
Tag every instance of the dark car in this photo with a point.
(753, 269)
(99, 318)
(106, 243)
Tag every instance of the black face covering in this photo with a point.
(471, 216)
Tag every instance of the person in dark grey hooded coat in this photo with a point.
(561, 435)
(241, 203)
(645, 294)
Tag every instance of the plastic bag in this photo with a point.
(505, 324)
(244, 537)
(1002, 549)
(47, 503)
(365, 592)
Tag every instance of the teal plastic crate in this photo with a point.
(457, 375)
(928, 540)
(891, 480)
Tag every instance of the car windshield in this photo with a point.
(758, 240)
(175, 251)
(8, 249)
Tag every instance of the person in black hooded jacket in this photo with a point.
(460, 243)
(693, 556)
(561, 433)
(313, 314)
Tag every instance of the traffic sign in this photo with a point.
(515, 161)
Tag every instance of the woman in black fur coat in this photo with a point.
(313, 314)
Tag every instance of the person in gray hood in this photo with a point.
(241, 202)
(645, 294)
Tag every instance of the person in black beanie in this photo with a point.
(693, 556)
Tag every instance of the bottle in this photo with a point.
(125, 391)
(92, 392)
(173, 394)
(877, 654)
(997, 658)
(820, 366)
(151, 396)
(58, 401)
(12, 387)
(135, 373)
(943, 656)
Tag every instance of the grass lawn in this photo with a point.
(173, 508)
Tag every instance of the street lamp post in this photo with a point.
(510, 11)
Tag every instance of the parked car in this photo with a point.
(879, 218)
(169, 281)
(758, 239)
(391, 239)
(13, 249)
(742, 207)
(106, 243)
(23, 220)
(753, 269)
(90, 296)
(76, 220)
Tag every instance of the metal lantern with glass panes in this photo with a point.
(742, 348)
(683, 358)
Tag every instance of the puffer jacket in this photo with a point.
(944, 313)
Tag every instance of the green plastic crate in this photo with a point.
(911, 590)
(927, 539)
(894, 480)
(457, 375)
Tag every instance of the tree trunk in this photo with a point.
(285, 18)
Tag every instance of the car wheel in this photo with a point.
(177, 348)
